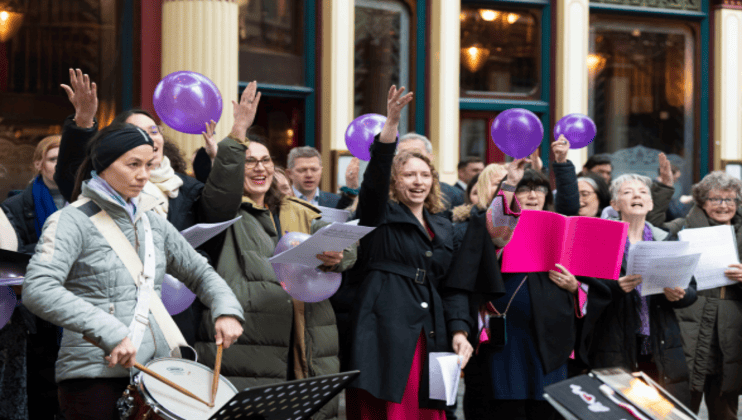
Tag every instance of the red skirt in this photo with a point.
(361, 405)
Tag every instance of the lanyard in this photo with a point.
(491, 307)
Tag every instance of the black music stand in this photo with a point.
(293, 400)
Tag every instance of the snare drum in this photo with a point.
(150, 399)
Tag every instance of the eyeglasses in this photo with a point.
(251, 163)
(586, 194)
(540, 189)
(718, 201)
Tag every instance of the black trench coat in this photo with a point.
(390, 308)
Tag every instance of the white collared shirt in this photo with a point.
(314, 201)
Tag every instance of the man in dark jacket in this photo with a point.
(305, 172)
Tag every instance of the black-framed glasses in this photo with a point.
(251, 162)
(718, 201)
(586, 194)
(539, 189)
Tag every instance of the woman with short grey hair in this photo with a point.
(710, 327)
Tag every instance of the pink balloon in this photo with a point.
(307, 284)
(7, 305)
(175, 295)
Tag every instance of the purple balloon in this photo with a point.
(307, 284)
(361, 132)
(579, 129)
(517, 132)
(175, 295)
(7, 304)
(186, 100)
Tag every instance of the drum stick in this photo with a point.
(217, 367)
(158, 377)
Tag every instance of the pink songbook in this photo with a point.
(586, 246)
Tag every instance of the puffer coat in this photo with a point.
(77, 281)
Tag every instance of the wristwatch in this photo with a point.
(349, 191)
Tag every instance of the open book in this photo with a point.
(586, 246)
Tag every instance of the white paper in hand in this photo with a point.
(198, 234)
(718, 248)
(334, 215)
(445, 372)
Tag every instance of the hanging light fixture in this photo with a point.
(488, 14)
(474, 57)
(595, 64)
(11, 18)
(513, 17)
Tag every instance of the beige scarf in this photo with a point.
(163, 184)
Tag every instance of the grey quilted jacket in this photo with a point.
(77, 281)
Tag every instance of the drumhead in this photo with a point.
(192, 376)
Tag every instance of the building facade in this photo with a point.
(655, 75)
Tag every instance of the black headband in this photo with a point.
(115, 144)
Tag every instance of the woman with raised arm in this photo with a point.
(284, 338)
(398, 313)
(78, 280)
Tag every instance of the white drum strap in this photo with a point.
(143, 276)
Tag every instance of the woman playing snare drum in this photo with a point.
(77, 280)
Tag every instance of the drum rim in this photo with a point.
(152, 402)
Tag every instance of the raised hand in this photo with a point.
(245, 110)
(209, 142)
(394, 105)
(666, 171)
(516, 169)
(84, 97)
(560, 149)
(351, 173)
(536, 163)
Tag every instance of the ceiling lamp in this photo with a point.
(474, 57)
(11, 18)
(488, 15)
(513, 17)
(595, 64)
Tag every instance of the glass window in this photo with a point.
(500, 52)
(382, 46)
(475, 137)
(272, 41)
(641, 94)
(281, 122)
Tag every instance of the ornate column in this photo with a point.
(573, 30)
(445, 43)
(338, 35)
(201, 36)
(728, 82)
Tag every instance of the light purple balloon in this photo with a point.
(186, 101)
(307, 284)
(517, 132)
(175, 295)
(361, 132)
(579, 129)
(7, 305)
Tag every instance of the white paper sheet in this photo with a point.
(445, 372)
(641, 254)
(718, 250)
(334, 215)
(669, 272)
(198, 234)
(334, 237)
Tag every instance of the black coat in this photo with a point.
(453, 196)
(477, 270)
(22, 216)
(71, 154)
(613, 340)
(567, 199)
(391, 310)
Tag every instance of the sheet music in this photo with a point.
(641, 254)
(334, 237)
(198, 234)
(669, 272)
(445, 372)
(718, 250)
(334, 215)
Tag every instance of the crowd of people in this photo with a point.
(426, 279)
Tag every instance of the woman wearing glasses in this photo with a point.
(711, 327)
(283, 338)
